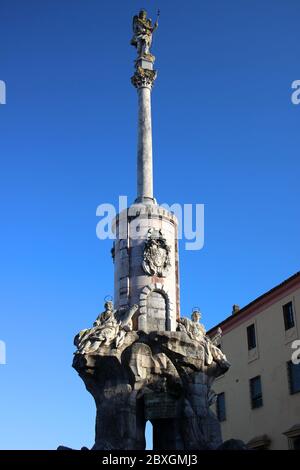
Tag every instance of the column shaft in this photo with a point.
(144, 156)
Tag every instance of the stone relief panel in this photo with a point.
(156, 256)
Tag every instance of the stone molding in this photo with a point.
(143, 212)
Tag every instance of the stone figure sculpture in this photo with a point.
(163, 376)
(196, 331)
(193, 327)
(142, 33)
(110, 327)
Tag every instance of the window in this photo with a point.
(288, 316)
(293, 435)
(221, 410)
(296, 443)
(256, 392)
(251, 337)
(294, 377)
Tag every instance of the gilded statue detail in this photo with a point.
(143, 30)
(143, 77)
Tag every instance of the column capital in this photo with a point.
(143, 78)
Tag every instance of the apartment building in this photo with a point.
(258, 399)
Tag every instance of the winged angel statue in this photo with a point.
(142, 33)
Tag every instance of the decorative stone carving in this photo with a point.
(142, 33)
(110, 327)
(196, 331)
(143, 77)
(156, 258)
(193, 328)
(162, 376)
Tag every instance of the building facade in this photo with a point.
(258, 400)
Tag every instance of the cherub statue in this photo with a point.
(109, 327)
(142, 33)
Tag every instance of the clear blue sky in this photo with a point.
(225, 134)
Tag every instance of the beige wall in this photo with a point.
(280, 410)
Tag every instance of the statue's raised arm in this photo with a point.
(156, 22)
(142, 33)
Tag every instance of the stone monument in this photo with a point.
(140, 360)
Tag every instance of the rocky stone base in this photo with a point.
(162, 377)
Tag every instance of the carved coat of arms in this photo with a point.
(156, 260)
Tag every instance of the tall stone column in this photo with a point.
(143, 80)
(139, 360)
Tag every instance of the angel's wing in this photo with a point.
(134, 21)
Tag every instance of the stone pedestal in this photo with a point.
(161, 377)
(154, 289)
